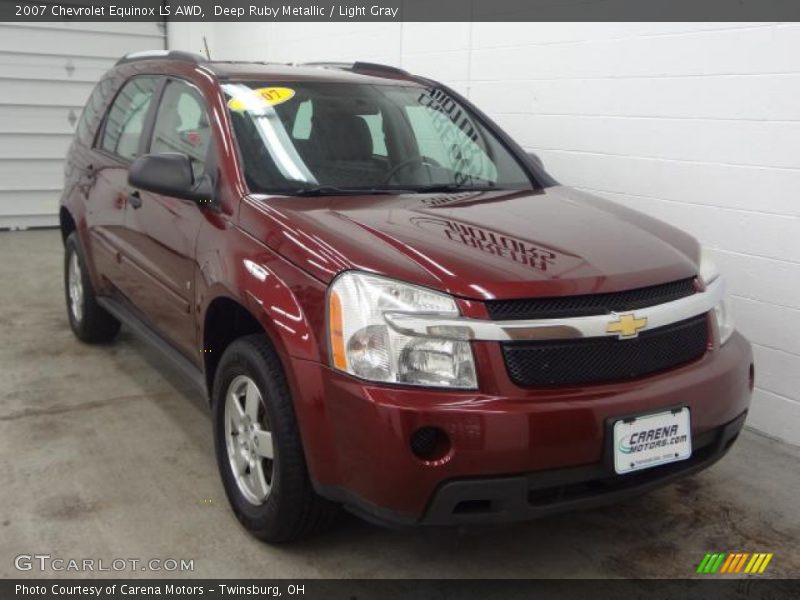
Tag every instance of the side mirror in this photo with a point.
(170, 174)
(536, 160)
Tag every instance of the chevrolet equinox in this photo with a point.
(388, 303)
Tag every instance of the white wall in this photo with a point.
(47, 71)
(697, 124)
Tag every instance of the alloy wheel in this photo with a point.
(75, 282)
(248, 440)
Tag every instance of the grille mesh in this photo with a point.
(591, 304)
(598, 360)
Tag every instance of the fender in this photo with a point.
(72, 202)
(233, 264)
(289, 305)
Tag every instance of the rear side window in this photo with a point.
(91, 112)
(125, 121)
(182, 126)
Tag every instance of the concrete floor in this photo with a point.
(105, 453)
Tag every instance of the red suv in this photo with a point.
(389, 304)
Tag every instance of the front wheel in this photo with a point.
(258, 446)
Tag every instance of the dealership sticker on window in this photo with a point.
(268, 96)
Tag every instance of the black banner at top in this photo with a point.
(399, 10)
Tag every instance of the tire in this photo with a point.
(272, 497)
(89, 321)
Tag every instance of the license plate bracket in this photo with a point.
(649, 440)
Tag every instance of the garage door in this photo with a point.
(47, 71)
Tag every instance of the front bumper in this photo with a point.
(515, 453)
(535, 495)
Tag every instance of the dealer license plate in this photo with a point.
(652, 440)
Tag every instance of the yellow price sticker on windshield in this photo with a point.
(268, 96)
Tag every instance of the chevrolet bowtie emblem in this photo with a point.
(627, 326)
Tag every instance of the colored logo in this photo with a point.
(734, 562)
(627, 326)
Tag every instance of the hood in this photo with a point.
(556, 241)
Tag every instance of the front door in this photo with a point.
(163, 230)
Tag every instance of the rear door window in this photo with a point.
(92, 111)
(126, 117)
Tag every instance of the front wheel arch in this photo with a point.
(66, 223)
(225, 321)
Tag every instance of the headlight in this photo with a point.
(709, 273)
(363, 344)
(724, 321)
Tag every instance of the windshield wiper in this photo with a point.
(450, 188)
(330, 190)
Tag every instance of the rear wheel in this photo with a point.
(89, 321)
(258, 446)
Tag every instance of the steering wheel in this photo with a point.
(413, 160)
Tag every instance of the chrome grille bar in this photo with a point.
(463, 328)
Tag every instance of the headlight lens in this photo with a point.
(724, 321)
(709, 273)
(364, 345)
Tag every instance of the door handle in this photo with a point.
(88, 174)
(135, 199)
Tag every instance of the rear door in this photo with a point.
(105, 175)
(162, 230)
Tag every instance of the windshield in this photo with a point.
(341, 137)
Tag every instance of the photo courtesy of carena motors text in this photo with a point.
(368, 299)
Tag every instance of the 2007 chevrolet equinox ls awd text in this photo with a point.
(389, 304)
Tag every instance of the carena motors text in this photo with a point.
(167, 589)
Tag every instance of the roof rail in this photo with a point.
(368, 66)
(358, 66)
(268, 63)
(163, 54)
(327, 65)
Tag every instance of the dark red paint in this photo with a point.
(174, 259)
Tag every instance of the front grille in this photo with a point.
(590, 304)
(604, 359)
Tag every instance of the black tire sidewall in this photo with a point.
(96, 325)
